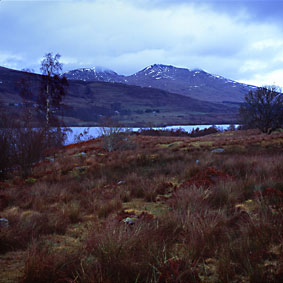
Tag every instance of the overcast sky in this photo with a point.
(240, 40)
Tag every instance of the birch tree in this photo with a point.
(53, 87)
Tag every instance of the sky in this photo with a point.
(239, 40)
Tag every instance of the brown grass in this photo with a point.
(168, 210)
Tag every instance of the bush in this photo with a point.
(21, 145)
(44, 265)
(7, 144)
(178, 132)
(114, 136)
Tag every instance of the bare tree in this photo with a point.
(53, 86)
(21, 143)
(114, 136)
(263, 109)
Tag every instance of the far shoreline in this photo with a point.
(95, 131)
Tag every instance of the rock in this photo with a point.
(217, 150)
(51, 159)
(80, 154)
(130, 220)
(4, 222)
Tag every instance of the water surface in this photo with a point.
(94, 132)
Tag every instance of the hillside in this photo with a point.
(86, 102)
(157, 208)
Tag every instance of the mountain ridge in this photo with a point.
(195, 83)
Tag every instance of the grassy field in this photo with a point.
(159, 209)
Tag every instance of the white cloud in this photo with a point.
(10, 59)
(253, 66)
(269, 43)
(267, 79)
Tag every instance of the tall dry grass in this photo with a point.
(205, 217)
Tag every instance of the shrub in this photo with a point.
(114, 136)
(177, 132)
(44, 265)
(104, 208)
(128, 253)
(26, 226)
(7, 145)
(21, 145)
(72, 211)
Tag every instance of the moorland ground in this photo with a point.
(158, 209)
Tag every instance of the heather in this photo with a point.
(156, 208)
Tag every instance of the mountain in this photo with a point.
(85, 103)
(193, 83)
(94, 74)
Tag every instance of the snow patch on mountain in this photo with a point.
(96, 69)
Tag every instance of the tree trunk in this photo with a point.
(47, 106)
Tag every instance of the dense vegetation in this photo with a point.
(157, 209)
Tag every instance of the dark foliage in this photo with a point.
(6, 145)
(263, 109)
(178, 132)
(21, 145)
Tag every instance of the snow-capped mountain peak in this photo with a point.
(158, 71)
(96, 73)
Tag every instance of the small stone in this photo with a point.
(130, 220)
(51, 159)
(4, 222)
(217, 150)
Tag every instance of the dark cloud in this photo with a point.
(257, 10)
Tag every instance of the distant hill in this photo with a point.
(86, 102)
(193, 83)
